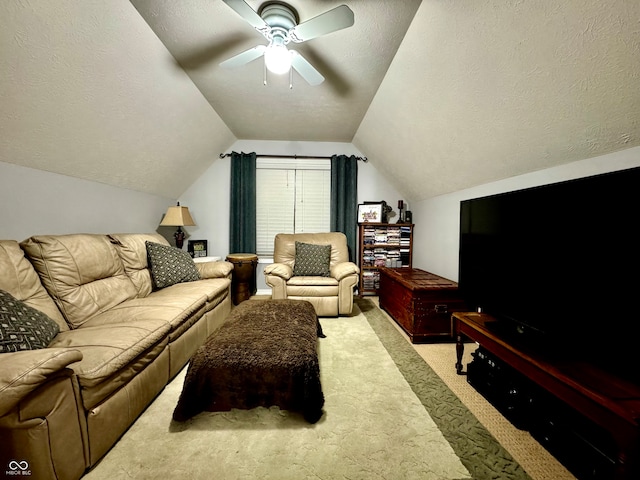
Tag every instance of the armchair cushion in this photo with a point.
(281, 270)
(343, 270)
(312, 260)
(170, 265)
(23, 327)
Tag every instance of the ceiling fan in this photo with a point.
(278, 22)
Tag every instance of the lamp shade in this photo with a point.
(177, 217)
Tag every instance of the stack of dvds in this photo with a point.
(369, 235)
(368, 258)
(393, 235)
(381, 235)
(405, 245)
(371, 279)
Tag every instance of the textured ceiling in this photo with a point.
(439, 95)
(87, 90)
(485, 90)
(202, 33)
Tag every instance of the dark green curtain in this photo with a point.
(344, 199)
(242, 211)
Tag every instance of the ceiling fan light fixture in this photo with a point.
(277, 59)
(279, 23)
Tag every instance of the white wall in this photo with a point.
(208, 197)
(37, 202)
(436, 237)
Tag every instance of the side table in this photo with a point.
(243, 280)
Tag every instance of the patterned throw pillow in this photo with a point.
(312, 260)
(23, 327)
(170, 265)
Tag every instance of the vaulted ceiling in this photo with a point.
(439, 95)
(202, 33)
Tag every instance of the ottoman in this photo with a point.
(264, 355)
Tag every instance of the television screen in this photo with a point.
(559, 264)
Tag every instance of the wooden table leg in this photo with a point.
(459, 353)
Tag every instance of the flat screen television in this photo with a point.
(559, 267)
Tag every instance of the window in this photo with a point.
(292, 196)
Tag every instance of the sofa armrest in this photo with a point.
(214, 269)
(344, 269)
(23, 372)
(281, 270)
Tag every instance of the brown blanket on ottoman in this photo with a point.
(264, 355)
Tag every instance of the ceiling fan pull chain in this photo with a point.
(291, 79)
(264, 77)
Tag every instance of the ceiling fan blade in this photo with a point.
(305, 69)
(248, 13)
(331, 21)
(244, 57)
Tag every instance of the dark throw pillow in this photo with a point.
(312, 260)
(170, 265)
(23, 327)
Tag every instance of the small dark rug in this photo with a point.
(478, 450)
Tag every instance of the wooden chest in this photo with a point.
(420, 302)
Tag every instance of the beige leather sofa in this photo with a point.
(330, 295)
(120, 342)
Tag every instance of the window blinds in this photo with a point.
(292, 196)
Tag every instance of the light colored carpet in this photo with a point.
(374, 427)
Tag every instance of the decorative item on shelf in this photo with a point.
(387, 212)
(370, 212)
(178, 217)
(405, 215)
(197, 248)
(401, 210)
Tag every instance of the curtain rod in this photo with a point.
(302, 157)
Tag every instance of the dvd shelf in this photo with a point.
(382, 245)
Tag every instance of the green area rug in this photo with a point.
(387, 416)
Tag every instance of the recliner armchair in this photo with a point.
(330, 295)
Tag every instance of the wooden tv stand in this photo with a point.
(610, 402)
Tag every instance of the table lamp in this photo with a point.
(177, 217)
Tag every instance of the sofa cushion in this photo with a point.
(132, 249)
(179, 305)
(23, 327)
(312, 259)
(19, 278)
(170, 265)
(113, 355)
(83, 273)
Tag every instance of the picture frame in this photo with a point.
(370, 213)
(197, 248)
